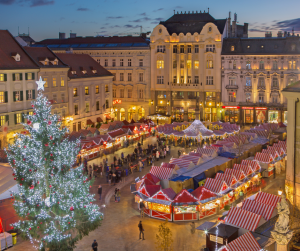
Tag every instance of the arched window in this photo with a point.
(130, 114)
(122, 114)
(141, 113)
(160, 64)
(248, 65)
(209, 64)
(232, 47)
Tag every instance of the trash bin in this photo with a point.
(14, 238)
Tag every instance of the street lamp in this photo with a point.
(279, 191)
(152, 102)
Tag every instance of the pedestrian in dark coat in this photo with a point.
(100, 191)
(95, 246)
(140, 226)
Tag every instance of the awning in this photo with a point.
(108, 117)
(206, 226)
(89, 122)
(99, 120)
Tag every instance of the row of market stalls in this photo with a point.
(204, 181)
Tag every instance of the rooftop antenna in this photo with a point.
(208, 11)
(18, 31)
(174, 12)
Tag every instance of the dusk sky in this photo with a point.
(46, 18)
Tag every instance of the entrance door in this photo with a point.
(79, 126)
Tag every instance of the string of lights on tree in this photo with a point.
(53, 201)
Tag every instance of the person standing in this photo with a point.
(100, 191)
(157, 155)
(167, 149)
(114, 178)
(193, 228)
(109, 178)
(116, 190)
(142, 207)
(118, 195)
(140, 165)
(95, 246)
(140, 226)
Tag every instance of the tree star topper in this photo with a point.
(40, 84)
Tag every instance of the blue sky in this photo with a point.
(46, 18)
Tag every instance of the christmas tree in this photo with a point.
(53, 200)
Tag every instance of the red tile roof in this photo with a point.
(41, 53)
(151, 177)
(202, 193)
(184, 197)
(75, 61)
(9, 45)
(169, 192)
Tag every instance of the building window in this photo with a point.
(114, 93)
(232, 81)
(261, 82)
(2, 97)
(29, 76)
(248, 65)
(234, 65)
(274, 98)
(174, 48)
(46, 82)
(121, 93)
(129, 76)
(196, 64)
(141, 94)
(129, 62)
(209, 80)
(196, 79)
(129, 93)
(97, 106)
(160, 64)
(232, 48)
(291, 80)
(97, 89)
(29, 94)
(76, 109)
(86, 90)
(189, 80)
(189, 64)
(182, 64)
(54, 98)
(106, 62)
(174, 64)
(87, 107)
(17, 76)
(18, 118)
(62, 81)
(275, 82)
(181, 79)
(121, 76)
(248, 97)
(161, 48)
(209, 64)
(54, 82)
(232, 96)
(160, 80)
(141, 77)
(181, 48)
(113, 62)
(141, 62)
(210, 47)
(292, 65)
(75, 92)
(261, 98)
(2, 77)
(121, 62)
(196, 48)
(189, 49)
(18, 96)
(248, 81)
(275, 65)
(106, 104)
(2, 120)
(174, 79)
(261, 65)
(106, 88)
(63, 98)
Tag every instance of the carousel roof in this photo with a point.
(197, 127)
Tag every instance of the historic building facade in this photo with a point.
(254, 71)
(127, 58)
(186, 63)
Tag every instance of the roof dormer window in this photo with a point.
(94, 71)
(232, 48)
(54, 61)
(84, 72)
(16, 56)
(73, 72)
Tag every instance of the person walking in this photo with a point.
(193, 228)
(114, 178)
(95, 246)
(140, 226)
(116, 190)
(157, 155)
(118, 195)
(142, 207)
(140, 165)
(109, 178)
(167, 149)
(100, 191)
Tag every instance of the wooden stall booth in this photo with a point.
(265, 160)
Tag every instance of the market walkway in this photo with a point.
(119, 229)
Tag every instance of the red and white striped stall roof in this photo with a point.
(264, 157)
(214, 185)
(195, 154)
(245, 242)
(209, 152)
(181, 162)
(267, 198)
(246, 169)
(216, 148)
(279, 149)
(229, 179)
(238, 174)
(271, 151)
(254, 164)
(163, 173)
(194, 159)
(242, 218)
(257, 207)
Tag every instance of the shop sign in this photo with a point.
(117, 101)
(247, 108)
(216, 239)
(260, 108)
(231, 107)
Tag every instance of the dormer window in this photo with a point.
(54, 61)
(94, 71)
(73, 72)
(232, 47)
(84, 72)
(16, 56)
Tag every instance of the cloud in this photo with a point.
(154, 22)
(7, 2)
(118, 17)
(288, 25)
(131, 26)
(158, 9)
(256, 30)
(82, 9)
(35, 3)
(62, 18)
(178, 7)
(144, 19)
(114, 26)
(102, 28)
(143, 14)
(159, 19)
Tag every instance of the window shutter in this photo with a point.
(14, 77)
(5, 97)
(21, 76)
(14, 96)
(26, 93)
(5, 77)
(15, 118)
(33, 94)
(26, 76)
(21, 95)
(33, 78)
(7, 119)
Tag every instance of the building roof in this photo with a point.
(83, 62)
(253, 46)
(267, 198)
(257, 207)
(295, 87)
(26, 38)
(202, 193)
(10, 47)
(223, 230)
(214, 185)
(184, 197)
(245, 242)
(191, 23)
(40, 54)
(95, 43)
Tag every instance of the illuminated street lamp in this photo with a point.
(279, 191)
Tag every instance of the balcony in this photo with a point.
(231, 87)
(183, 86)
(274, 88)
(248, 88)
(261, 88)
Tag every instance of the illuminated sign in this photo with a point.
(117, 101)
(247, 108)
(231, 107)
(216, 239)
(260, 108)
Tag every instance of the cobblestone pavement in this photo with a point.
(119, 229)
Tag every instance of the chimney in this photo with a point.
(279, 34)
(245, 30)
(289, 34)
(285, 34)
(229, 25)
(72, 35)
(62, 35)
(233, 29)
(208, 10)
(235, 17)
(268, 34)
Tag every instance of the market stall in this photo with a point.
(185, 207)
(160, 209)
(181, 182)
(265, 210)
(238, 174)
(265, 160)
(253, 164)
(164, 173)
(247, 170)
